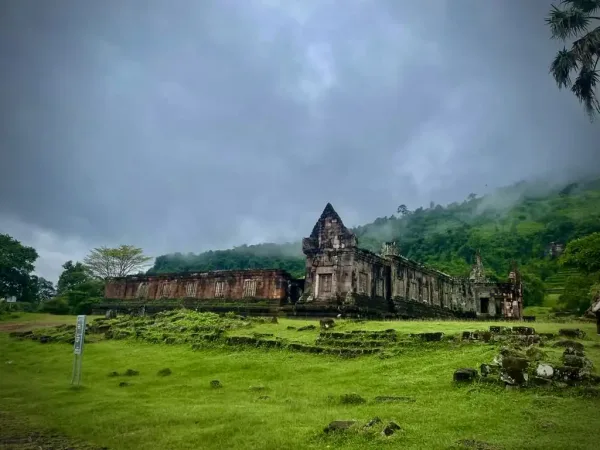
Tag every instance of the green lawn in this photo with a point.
(182, 411)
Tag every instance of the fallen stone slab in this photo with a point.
(391, 428)
(465, 375)
(544, 371)
(578, 346)
(523, 330)
(574, 333)
(339, 425)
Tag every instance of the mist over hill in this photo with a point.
(517, 223)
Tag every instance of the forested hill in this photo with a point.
(517, 222)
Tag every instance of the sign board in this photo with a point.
(79, 335)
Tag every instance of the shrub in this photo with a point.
(57, 305)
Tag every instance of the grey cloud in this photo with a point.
(184, 126)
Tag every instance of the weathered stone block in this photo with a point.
(465, 375)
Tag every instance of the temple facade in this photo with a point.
(339, 274)
(340, 278)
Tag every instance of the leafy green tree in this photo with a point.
(78, 289)
(72, 276)
(16, 263)
(578, 293)
(37, 290)
(107, 262)
(573, 21)
(583, 254)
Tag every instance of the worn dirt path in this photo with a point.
(17, 434)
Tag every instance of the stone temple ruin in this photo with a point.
(340, 278)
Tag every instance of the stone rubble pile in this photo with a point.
(521, 367)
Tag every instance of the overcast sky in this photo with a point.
(189, 125)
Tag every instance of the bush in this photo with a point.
(57, 305)
(86, 306)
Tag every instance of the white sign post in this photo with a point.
(78, 350)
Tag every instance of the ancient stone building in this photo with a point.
(258, 290)
(340, 278)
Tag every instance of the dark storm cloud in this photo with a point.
(192, 125)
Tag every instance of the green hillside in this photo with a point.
(514, 223)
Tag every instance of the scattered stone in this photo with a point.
(514, 370)
(110, 314)
(274, 319)
(339, 425)
(45, 339)
(291, 328)
(523, 330)
(496, 329)
(465, 375)
(391, 428)
(535, 354)
(164, 372)
(351, 399)
(578, 346)
(113, 374)
(569, 374)
(131, 373)
(307, 328)
(389, 399)
(327, 323)
(430, 337)
(489, 369)
(572, 351)
(258, 388)
(123, 384)
(577, 361)
(529, 318)
(264, 397)
(216, 384)
(574, 333)
(544, 371)
(547, 335)
(469, 336)
(374, 421)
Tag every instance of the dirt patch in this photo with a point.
(17, 434)
(26, 326)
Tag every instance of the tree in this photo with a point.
(46, 289)
(106, 262)
(583, 254)
(403, 210)
(16, 263)
(572, 22)
(72, 276)
(37, 290)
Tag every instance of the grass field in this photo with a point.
(299, 396)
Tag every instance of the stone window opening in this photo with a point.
(249, 288)
(325, 282)
(190, 289)
(219, 289)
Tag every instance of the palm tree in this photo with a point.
(569, 22)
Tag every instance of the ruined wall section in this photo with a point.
(238, 285)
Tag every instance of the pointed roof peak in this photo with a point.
(328, 213)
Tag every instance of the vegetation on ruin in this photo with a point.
(273, 398)
(515, 223)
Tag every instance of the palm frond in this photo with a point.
(587, 47)
(564, 62)
(565, 23)
(587, 6)
(584, 89)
